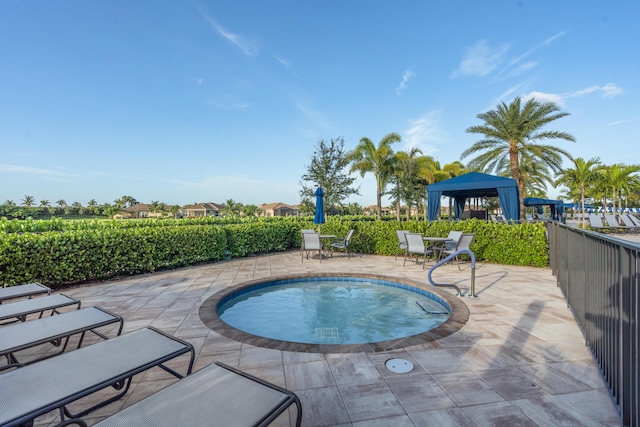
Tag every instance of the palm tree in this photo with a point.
(513, 132)
(44, 203)
(366, 157)
(413, 172)
(155, 205)
(175, 209)
(582, 174)
(618, 177)
(92, 206)
(28, 201)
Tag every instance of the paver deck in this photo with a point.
(520, 359)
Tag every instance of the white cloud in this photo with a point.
(545, 97)
(249, 48)
(285, 62)
(480, 59)
(37, 171)
(607, 91)
(513, 69)
(424, 133)
(406, 77)
(228, 105)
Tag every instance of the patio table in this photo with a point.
(438, 244)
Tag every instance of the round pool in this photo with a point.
(333, 313)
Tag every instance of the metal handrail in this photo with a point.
(472, 292)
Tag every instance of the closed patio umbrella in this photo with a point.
(319, 216)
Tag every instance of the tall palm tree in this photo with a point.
(618, 177)
(28, 201)
(413, 172)
(583, 173)
(366, 157)
(44, 203)
(513, 131)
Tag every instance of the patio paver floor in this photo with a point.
(519, 360)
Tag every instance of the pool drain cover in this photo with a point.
(399, 366)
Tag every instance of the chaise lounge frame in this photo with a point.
(217, 392)
(28, 290)
(29, 392)
(56, 330)
(21, 309)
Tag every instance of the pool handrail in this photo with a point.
(472, 291)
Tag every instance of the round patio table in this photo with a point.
(438, 244)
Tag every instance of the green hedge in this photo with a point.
(94, 253)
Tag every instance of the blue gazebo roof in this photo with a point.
(475, 184)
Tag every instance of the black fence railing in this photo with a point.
(598, 275)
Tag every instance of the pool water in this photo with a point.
(333, 311)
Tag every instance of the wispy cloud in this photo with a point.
(406, 77)
(425, 133)
(285, 62)
(316, 116)
(480, 59)
(51, 174)
(228, 105)
(247, 47)
(617, 122)
(515, 68)
(607, 91)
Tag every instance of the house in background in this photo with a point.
(140, 210)
(200, 210)
(279, 209)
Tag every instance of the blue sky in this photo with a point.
(199, 101)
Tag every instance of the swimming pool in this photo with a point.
(333, 313)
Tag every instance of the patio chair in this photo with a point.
(302, 244)
(529, 217)
(29, 392)
(215, 395)
(415, 245)
(28, 290)
(311, 242)
(455, 237)
(56, 330)
(402, 241)
(21, 309)
(344, 244)
(464, 243)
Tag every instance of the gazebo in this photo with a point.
(557, 206)
(475, 184)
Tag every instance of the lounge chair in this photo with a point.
(628, 222)
(529, 217)
(415, 245)
(311, 242)
(29, 392)
(613, 223)
(56, 330)
(21, 309)
(344, 244)
(28, 290)
(595, 221)
(465, 243)
(402, 241)
(216, 395)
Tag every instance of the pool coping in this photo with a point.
(458, 318)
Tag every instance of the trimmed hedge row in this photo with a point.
(67, 257)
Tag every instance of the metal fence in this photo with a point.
(598, 275)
